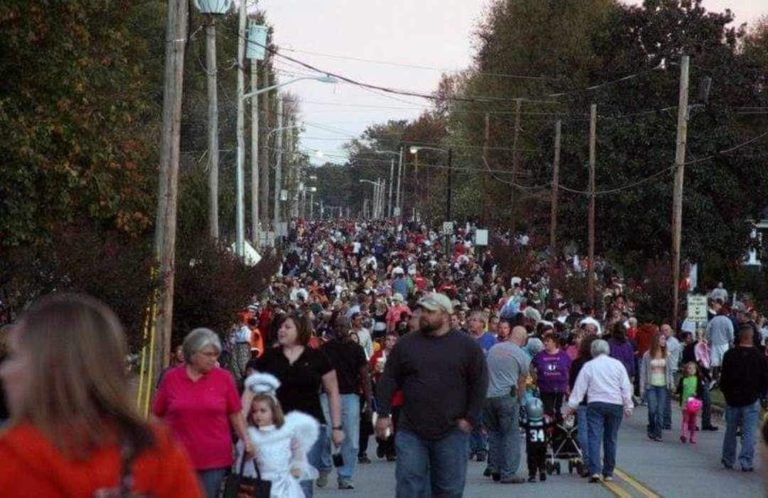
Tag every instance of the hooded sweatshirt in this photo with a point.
(32, 466)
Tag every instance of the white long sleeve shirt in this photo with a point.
(603, 379)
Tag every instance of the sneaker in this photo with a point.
(747, 469)
(594, 478)
(487, 472)
(608, 478)
(346, 484)
(726, 465)
(710, 428)
(512, 480)
(380, 451)
(496, 476)
(322, 480)
(683, 439)
(532, 478)
(363, 459)
(693, 441)
(542, 476)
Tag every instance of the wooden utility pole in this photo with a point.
(165, 224)
(240, 167)
(515, 164)
(398, 206)
(255, 154)
(677, 197)
(265, 156)
(213, 128)
(555, 193)
(484, 191)
(591, 215)
(278, 165)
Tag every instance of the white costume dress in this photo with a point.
(280, 450)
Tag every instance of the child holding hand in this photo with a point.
(281, 441)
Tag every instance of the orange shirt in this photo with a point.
(31, 466)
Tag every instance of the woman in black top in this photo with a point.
(301, 372)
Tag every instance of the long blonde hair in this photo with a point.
(78, 391)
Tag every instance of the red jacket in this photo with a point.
(33, 467)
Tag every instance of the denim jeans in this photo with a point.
(314, 458)
(501, 416)
(350, 419)
(657, 399)
(706, 408)
(603, 420)
(478, 439)
(583, 433)
(747, 418)
(431, 468)
(210, 480)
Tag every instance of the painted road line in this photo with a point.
(644, 490)
(614, 488)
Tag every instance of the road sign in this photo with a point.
(481, 237)
(697, 307)
(447, 228)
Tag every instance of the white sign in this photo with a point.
(283, 195)
(481, 237)
(447, 228)
(697, 308)
(396, 212)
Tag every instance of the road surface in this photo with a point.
(645, 469)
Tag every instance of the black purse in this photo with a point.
(239, 486)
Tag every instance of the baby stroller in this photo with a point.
(564, 445)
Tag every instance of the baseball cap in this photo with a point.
(436, 301)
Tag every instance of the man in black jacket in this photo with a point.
(743, 381)
(444, 379)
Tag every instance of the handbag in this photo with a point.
(239, 486)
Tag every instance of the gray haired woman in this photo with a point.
(199, 402)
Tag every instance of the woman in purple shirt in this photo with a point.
(622, 348)
(551, 368)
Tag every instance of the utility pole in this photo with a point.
(515, 163)
(255, 154)
(591, 215)
(449, 186)
(240, 180)
(165, 225)
(399, 180)
(677, 197)
(213, 128)
(391, 181)
(278, 165)
(265, 156)
(555, 193)
(415, 183)
(484, 193)
(290, 166)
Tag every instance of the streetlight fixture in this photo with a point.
(322, 79)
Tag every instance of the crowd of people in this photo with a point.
(375, 331)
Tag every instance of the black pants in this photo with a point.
(366, 429)
(553, 405)
(536, 455)
(388, 445)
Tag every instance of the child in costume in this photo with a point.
(690, 388)
(281, 441)
(536, 427)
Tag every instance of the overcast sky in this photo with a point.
(406, 44)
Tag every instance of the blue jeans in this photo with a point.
(210, 480)
(478, 440)
(314, 458)
(657, 399)
(583, 433)
(431, 468)
(350, 419)
(501, 417)
(746, 417)
(603, 420)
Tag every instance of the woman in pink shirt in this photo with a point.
(199, 402)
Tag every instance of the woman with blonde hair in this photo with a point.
(656, 383)
(74, 429)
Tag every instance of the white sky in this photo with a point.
(434, 34)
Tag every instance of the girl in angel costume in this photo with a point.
(281, 441)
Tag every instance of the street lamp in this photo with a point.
(322, 79)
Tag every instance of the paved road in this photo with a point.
(646, 469)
